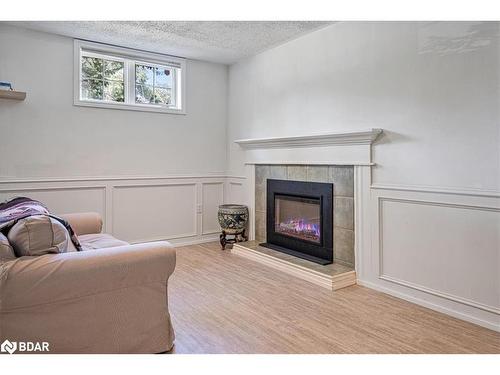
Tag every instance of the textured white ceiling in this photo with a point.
(217, 41)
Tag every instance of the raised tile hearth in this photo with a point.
(333, 276)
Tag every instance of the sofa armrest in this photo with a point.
(29, 281)
(84, 222)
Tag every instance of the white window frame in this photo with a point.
(130, 58)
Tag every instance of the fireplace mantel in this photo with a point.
(315, 140)
(350, 148)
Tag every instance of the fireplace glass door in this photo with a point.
(298, 217)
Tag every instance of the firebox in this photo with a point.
(300, 219)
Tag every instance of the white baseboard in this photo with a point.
(186, 242)
(422, 302)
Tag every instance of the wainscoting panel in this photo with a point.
(438, 249)
(449, 250)
(154, 212)
(212, 197)
(235, 191)
(180, 209)
(63, 200)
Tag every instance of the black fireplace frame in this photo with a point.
(321, 252)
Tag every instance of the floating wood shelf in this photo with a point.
(13, 95)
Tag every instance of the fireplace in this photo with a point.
(300, 219)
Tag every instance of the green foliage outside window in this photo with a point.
(153, 85)
(102, 79)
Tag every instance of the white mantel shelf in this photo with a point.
(316, 140)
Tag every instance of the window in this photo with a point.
(102, 79)
(113, 77)
(153, 84)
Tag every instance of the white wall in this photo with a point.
(50, 137)
(430, 208)
(432, 87)
(92, 159)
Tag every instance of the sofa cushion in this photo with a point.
(84, 222)
(39, 235)
(99, 241)
(6, 251)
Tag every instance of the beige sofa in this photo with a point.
(110, 298)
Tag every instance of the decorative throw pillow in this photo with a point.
(18, 208)
(39, 235)
(6, 251)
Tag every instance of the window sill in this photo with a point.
(130, 107)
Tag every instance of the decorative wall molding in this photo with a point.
(424, 301)
(51, 188)
(102, 198)
(92, 196)
(315, 140)
(6, 180)
(134, 225)
(234, 190)
(450, 297)
(362, 176)
(155, 184)
(203, 209)
(437, 189)
(415, 286)
(436, 203)
(323, 162)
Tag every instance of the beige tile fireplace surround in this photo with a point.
(343, 201)
(334, 276)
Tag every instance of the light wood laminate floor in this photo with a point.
(223, 303)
